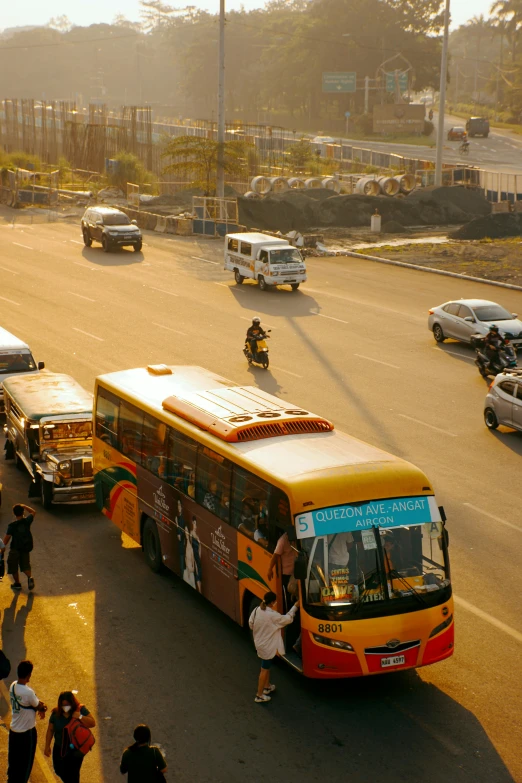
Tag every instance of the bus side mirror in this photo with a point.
(442, 514)
(301, 566)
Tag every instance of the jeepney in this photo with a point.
(48, 431)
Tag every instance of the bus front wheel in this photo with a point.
(152, 545)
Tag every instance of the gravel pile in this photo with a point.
(491, 227)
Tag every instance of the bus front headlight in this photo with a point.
(333, 642)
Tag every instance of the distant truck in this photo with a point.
(478, 126)
(269, 260)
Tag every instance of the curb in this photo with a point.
(443, 272)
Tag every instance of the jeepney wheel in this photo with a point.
(152, 546)
(262, 283)
(237, 277)
(105, 244)
(9, 450)
(87, 240)
(46, 494)
(295, 286)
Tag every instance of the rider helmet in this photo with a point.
(256, 321)
(493, 328)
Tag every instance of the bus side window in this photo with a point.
(250, 505)
(154, 447)
(130, 427)
(181, 462)
(107, 417)
(214, 476)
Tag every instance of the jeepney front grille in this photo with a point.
(87, 468)
(77, 468)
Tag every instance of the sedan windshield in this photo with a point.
(351, 570)
(16, 362)
(116, 220)
(492, 313)
(286, 255)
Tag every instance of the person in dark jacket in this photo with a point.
(142, 761)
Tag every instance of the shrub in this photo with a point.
(428, 128)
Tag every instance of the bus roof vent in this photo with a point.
(243, 413)
(159, 369)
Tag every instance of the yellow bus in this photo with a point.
(208, 477)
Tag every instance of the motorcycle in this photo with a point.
(505, 358)
(261, 354)
(464, 148)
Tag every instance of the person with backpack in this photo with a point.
(21, 538)
(143, 762)
(25, 705)
(70, 724)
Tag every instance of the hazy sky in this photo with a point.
(81, 13)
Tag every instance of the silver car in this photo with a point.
(462, 318)
(504, 401)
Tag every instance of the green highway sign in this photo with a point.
(339, 81)
(403, 81)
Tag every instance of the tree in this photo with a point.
(129, 169)
(61, 23)
(195, 158)
(155, 14)
(300, 153)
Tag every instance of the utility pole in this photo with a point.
(442, 95)
(366, 94)
(220, 184)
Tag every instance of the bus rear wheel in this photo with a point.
(152, 545)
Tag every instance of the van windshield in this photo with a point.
(286, 255)
(16, 362)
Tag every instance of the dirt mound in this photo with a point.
(392, 227)
(492, 227)
(308, 209)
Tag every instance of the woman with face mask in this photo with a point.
(67, 761)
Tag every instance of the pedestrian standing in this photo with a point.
(266, 624)
(25, 704)
(143, 762)
(286, 554)
(20, 536)
(67, 760)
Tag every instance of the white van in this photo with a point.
(269, 260)
(15, 358)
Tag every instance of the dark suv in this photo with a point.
(111, 227)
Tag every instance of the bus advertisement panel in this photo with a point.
(209, 477)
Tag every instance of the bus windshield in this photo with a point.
(350, 571)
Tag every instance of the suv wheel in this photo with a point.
(138, 246)
(490, 417)
(105, 244)
(87, 239)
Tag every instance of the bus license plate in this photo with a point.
(393, 660)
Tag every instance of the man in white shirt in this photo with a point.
(22, 733)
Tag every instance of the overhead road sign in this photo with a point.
(339, 81)
(403, 81)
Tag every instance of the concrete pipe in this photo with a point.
(313, 182)
(406, 182)
(295, 183)
(389, 186)
(251, 194)
(278, 184)
(368, 186)
(331, 183)
(261, 185)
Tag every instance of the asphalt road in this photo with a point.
(501, 151)
(353, 345)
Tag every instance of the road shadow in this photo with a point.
(279, 302)
(510, 439)
(457, 351)
(13, 627)
(119, 257)
(264, 379)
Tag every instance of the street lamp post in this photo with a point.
(220, 184)
(442, 96)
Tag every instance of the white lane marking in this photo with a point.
(377, 361)
(453, 353)
(19, 245)
(11, 301)
(162, 291)
(88, 334)
(9, 270)
(77, 242)
(88, 299)
(491, 149)
(331, 318)
(85, 266)
(492, 516)
(169, 329)
(507, 629)
(197, 258)
(425, 424)
(280, 369)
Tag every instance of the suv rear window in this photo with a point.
(16, 362)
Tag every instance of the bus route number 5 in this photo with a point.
(303, 526)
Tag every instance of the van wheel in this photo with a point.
(9, 450)
(490, 417)
(295, 286)
(237, 277)
(152, 546)
(262, 283)
(46, 494)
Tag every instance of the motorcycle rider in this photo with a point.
(493, 342)
(254, 333)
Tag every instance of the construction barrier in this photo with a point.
(161, 225)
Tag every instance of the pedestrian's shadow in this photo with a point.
(13, 628)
